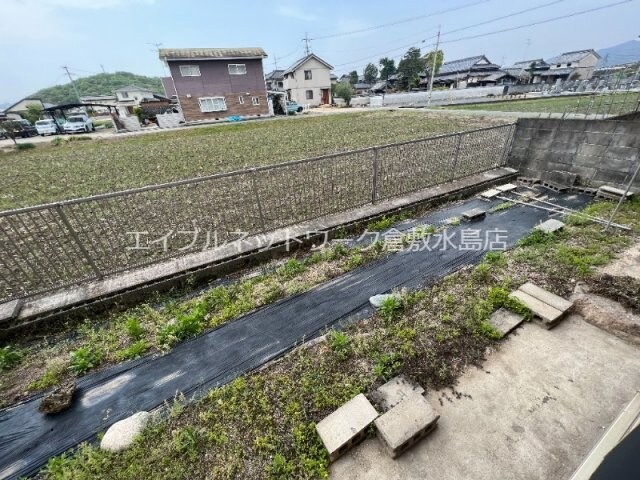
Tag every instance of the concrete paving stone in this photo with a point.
(474, 214)
(613, 191)
(347, 426)
(505, 321)
(548, 315)
(394, 391)
(492, 192)
(405, 424)
(10, 310)
(507, 187)
(547, 297)
(550, 226)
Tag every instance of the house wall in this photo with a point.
(598, 151)
(321, 78)
(22, 105)
(215, 81)
(134, 96)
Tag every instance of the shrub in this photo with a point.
(56, 142)
(9, 357)
(84, 359)
(25, 146)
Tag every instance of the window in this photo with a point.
(255, 100)
(124, 94)
(307, 74)
(569, 64)
(309, 94)
(241, 100)
(212, 104)
(237, 69)
(190, 70)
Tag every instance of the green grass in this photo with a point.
(618, 103)
(78, 169)
(263, 425)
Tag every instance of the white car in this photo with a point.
(78, 123)
(46, 127)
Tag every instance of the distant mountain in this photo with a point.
(101, 84)
(4, 105)
(627, 52)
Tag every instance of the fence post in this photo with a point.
(374, 182)
(76, 239)
(507, 144)
(455, 157)
(255, 193)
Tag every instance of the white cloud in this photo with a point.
(293, 11)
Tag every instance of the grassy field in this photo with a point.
(76, 169)
(618, 103)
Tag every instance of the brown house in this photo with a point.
(214, 83)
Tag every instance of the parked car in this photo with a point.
(294, 107)
(78, 123)
(19, 128)
(48, 127)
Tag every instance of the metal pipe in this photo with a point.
(623, 197)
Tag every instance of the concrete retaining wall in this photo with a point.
(438, 96)
(598, 151)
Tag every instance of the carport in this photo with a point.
(62, 108)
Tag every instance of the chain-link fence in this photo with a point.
(50, 246)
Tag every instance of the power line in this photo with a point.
(540, 22)
(398, 22)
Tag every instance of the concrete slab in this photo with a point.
(505, 321)
(394, 391)
(474, 214)
(347, 426)
(550, 226)
(547, 297)
(492, 192)
(548, 315)
(507, 187)
(10, 310)
(627, 264)
(405, 424)
(533, 411)
(617, 192)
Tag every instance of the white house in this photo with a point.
(133, 95)
(578, 65)
(308, 81)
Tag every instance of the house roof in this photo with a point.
(538, 62)
(558, 71)
(210, 53)
(379, 85)
(133, 88)
(333, 76)
(463, 64)
(275, 75)
(305, 59)
(494, 77)
(360, 85)
(576, 56)
(9, 108)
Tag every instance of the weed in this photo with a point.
(355, 260)
(389, 308)
(56, 142)
(291, 268)
(135, 350)
(134, 329)
(340, 344)
(453, 221)
(482, 272)
(84, 359)
(185, 326)
(387, 366)
(383, 223)
(9, 357)
(53, 375)
(536, 237)
(501, 207)
(496, 258)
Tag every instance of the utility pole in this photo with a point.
(433, 67)
(102, 67)
(306, 41)
(66, 69)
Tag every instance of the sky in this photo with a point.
(38, 37)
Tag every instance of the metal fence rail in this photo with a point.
(50, 246)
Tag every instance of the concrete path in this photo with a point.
(534, 410)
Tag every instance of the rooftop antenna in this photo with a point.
(306, 41)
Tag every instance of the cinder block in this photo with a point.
(504, 321)
(474, 214)
(394, 391)
(405, 424)
(550, 225)
(347, 426)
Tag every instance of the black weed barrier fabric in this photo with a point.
(28, 438)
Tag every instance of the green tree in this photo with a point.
(411, 65)
(33, 113)
(429, 59)
(353, 77)
(345, 91)
(370, 73)
(388, 67)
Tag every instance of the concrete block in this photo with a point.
(588, 150)
(547, 297)
(394, 391)
(405, 424)
(10, 310)
(490, 193)
(612, 193)
(547, 315)
(560, 177)
(550, 225)
(474, 214)
(504, 321)
(507, 187)
(347, 426)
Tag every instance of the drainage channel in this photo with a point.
(28, 438)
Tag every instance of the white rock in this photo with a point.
(377, 300)
(121, 434)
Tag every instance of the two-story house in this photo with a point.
(213, 83)
(578, 65)
(308, 81)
